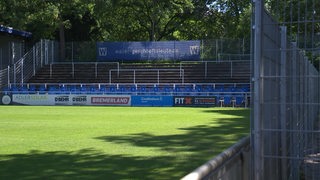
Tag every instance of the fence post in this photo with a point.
(41, 53)
(14, 73)
(22, 64)
(72, 70)
(8, 74)
(34, 60)
(110, 76)
(283, 100)
(158, 76)
(205, 69)
(257, 162)
(134, 76)
(50, 70)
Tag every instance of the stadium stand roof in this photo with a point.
(11, 31)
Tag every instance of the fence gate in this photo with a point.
(285, 131)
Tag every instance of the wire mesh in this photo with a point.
(285, 130)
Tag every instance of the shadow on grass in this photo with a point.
(185, 152)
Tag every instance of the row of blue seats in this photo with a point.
(103, 89)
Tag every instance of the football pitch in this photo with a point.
(69, 142)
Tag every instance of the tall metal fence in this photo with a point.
(286, 103)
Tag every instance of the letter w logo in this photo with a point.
(194, 50)
(103, 51)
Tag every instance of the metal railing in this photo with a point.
(205, 63)
(40, 54)
(73, 68)
(134, 71)
(231, 164)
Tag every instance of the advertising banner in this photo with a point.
(101, 100)
(159, 50)
(66, 100)
(152, 101)
(194, 101)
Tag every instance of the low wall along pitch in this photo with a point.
(106, 100)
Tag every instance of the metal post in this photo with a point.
(231, 69)
(110, 76)
(257, 140)
(134, 76)
(34, 60)
(205, 69)
(52, 52)
(283, 100)
(294, 87)
(158, 76)
(72, 70)
(8, 74)
(22, 71)
(50, 70)
(96, 69)
(14, 73)
(41, 53)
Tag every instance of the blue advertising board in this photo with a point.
(160, 50)
(152, 101)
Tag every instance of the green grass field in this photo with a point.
(57, 142)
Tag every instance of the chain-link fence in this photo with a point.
(285, 116)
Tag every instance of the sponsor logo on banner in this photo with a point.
(111, 100)
(103, 51)
(79, 100)
(29, 99)
(6, 100)
(194, 101)
(204, 100)
(182, 101)
(194, 50)
(62, 100)
(151, 101)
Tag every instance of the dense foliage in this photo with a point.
(128, 20)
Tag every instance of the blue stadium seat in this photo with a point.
(143, 90)
(53, 90)
(14, 90)
(32, 89)
(122, 90)
(74, 90)
(187, 90)
(83, 90)
(167, 90)
(102, 90)
(133, 89)
(239, 100)
(177, 90)
(42, 89)
(63, 90)
(112, 89)
(155, 89)
(6, 90)
(93, 90)
(227, 100)
(23, 90)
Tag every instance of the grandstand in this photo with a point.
(39, 73)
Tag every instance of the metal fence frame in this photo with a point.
(285, 116)
(40, 54)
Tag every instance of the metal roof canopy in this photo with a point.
(11, 31)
